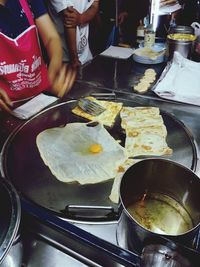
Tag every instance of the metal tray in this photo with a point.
(23, 165)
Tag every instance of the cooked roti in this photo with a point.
(114, 195)
(107, 118)
(139, 111)
(147, 141)
(145, 131)
(140, 117)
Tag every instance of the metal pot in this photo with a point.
(160, 255)
(10, 215)
(184, 45)
(159, 177)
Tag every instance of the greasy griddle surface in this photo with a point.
(23, 165)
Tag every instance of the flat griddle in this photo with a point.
(34, 181)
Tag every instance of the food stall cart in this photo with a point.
(43, 236)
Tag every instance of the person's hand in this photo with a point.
(122, 16)
(64, 81)
(167, 2)
(75, 63)
(72, 17)
(5, 102)
(54, 68)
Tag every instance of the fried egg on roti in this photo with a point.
(82, 153)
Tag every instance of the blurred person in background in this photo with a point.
(189, 12)
(117, 21)
(23, 72)
(130, 15)
(72, 18)
(101, 26)
(107, 31)
(169, 20)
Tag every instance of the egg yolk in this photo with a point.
(95, 148)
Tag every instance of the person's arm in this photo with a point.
(123, 12)
(52, 44)
(134, 10)
(73, 18)
(72, 46)
(70, 35)
(122, 16)
(59, 75)
(5, 102)
(167, 2)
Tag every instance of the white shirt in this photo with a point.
(80, 5)
(82, 32)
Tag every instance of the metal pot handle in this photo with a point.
(79, 212)
(119, 255)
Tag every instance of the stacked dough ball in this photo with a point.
(145, 82)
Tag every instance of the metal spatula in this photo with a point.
(90, 107)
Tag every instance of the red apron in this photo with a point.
(22, 71)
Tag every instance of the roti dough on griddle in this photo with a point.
(66, 151)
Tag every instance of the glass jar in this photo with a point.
(140, 32)
(149, 37)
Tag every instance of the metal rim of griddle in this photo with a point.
(10, 217)
(112, 214)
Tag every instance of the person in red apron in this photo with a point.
(23, 72)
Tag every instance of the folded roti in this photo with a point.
(140, 117)
(145, 131)
(147, 141)
(107, 118)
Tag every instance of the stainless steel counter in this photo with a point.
(102, 75)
